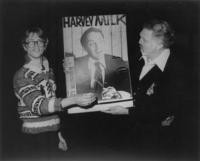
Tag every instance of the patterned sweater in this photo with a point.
(35, 90)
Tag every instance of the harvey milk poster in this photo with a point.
(96, 58)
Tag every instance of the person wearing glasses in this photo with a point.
(34, 87)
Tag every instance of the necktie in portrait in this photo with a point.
(98, 77)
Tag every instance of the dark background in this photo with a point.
(17, 16)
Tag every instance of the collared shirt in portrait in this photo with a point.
(92, 69)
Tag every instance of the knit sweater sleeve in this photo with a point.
(32, 98)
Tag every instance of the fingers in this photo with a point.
(86, 99)
(107, 111)
(167, 121)
(116, 110)
(90, 97)
(89, 100)
(62, 143)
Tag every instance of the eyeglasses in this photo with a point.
(31, 44)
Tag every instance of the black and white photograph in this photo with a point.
(85, 80)
(96, 58)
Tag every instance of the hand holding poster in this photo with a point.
(95, 50)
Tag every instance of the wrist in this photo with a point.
(58, 104)
(63, 104)
(66, 103)
(54, 105)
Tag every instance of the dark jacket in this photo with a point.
(158, 94)
(116, 74)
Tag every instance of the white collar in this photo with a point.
(160, 61)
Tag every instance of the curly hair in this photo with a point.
(36, 30)
(161, 29)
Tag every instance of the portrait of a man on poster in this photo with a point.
(96, 58)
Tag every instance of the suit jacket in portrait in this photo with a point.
(116, 74)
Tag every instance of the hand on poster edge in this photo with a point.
(85, 100)
(117, 110)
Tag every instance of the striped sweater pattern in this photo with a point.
(35, 89)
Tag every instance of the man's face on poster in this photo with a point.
(95, 45)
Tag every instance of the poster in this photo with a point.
(96, 59)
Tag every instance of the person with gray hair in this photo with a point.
(157, 88)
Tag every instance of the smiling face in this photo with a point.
(34, 46)
(150, 45)
(95, 45)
